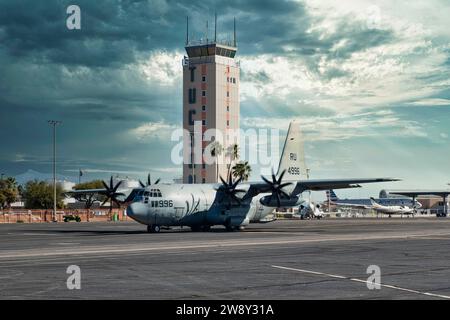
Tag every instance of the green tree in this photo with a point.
(9, 192)
(233, 154)
(39, 195)
(242, 169)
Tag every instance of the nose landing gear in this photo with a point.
(154, 228)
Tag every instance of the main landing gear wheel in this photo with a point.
(153, 228)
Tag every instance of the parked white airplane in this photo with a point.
(392, 209)
(232, 204)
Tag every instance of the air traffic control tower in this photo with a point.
(210, 98)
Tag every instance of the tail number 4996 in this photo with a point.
(294, 170)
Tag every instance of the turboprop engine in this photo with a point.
(270, 201)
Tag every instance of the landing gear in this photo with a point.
(154, 228)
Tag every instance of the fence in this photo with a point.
(42, 216)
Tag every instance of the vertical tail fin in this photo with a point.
(293, 157)
(331, 196)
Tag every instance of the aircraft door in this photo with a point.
(179, 212)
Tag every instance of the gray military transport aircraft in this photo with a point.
(231, 203)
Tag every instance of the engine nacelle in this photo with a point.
(291, 202)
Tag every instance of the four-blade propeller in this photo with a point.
(230, 191)
(111, 193)
(275, 187)
(149, 182)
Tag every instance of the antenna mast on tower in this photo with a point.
(215, 26)
(187, 30)
(234, 31)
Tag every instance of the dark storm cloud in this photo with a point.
(116, 32)
(89, 78)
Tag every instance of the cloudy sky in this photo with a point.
(368, 80)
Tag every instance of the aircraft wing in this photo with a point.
(124, 195)
(352, 205)
(316, 185)
(327, 184)
(86, 192)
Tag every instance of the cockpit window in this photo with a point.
(155, 193)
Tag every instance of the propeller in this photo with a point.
(230, 191)
(275, 186)
(149, 182)
(111, 193)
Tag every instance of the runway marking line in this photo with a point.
(362, 281)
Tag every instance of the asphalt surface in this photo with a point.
(325, 259)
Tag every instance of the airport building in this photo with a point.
(210, 101)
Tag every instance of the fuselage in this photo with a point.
(193, 205)
(392, 209)
(388, 202)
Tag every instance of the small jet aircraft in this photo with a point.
(388, 206)
(390, 210)
(385, 199)
(231, 203)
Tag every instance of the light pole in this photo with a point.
(54, 123)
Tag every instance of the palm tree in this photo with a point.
(242, 170)
(233, 153)
(216, 151)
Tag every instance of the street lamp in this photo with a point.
(54, 123)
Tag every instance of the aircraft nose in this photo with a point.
(137, 211)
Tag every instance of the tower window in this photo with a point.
(234, 80)
(203, 108)
(228, 122)
(203, 93)
(203, 180)
(228, 79)
(192, 74)
(203, 78)
(228, 108)
(192, 95)
(228, 93)
(204, 122)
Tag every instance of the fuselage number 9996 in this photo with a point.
(162, 203)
